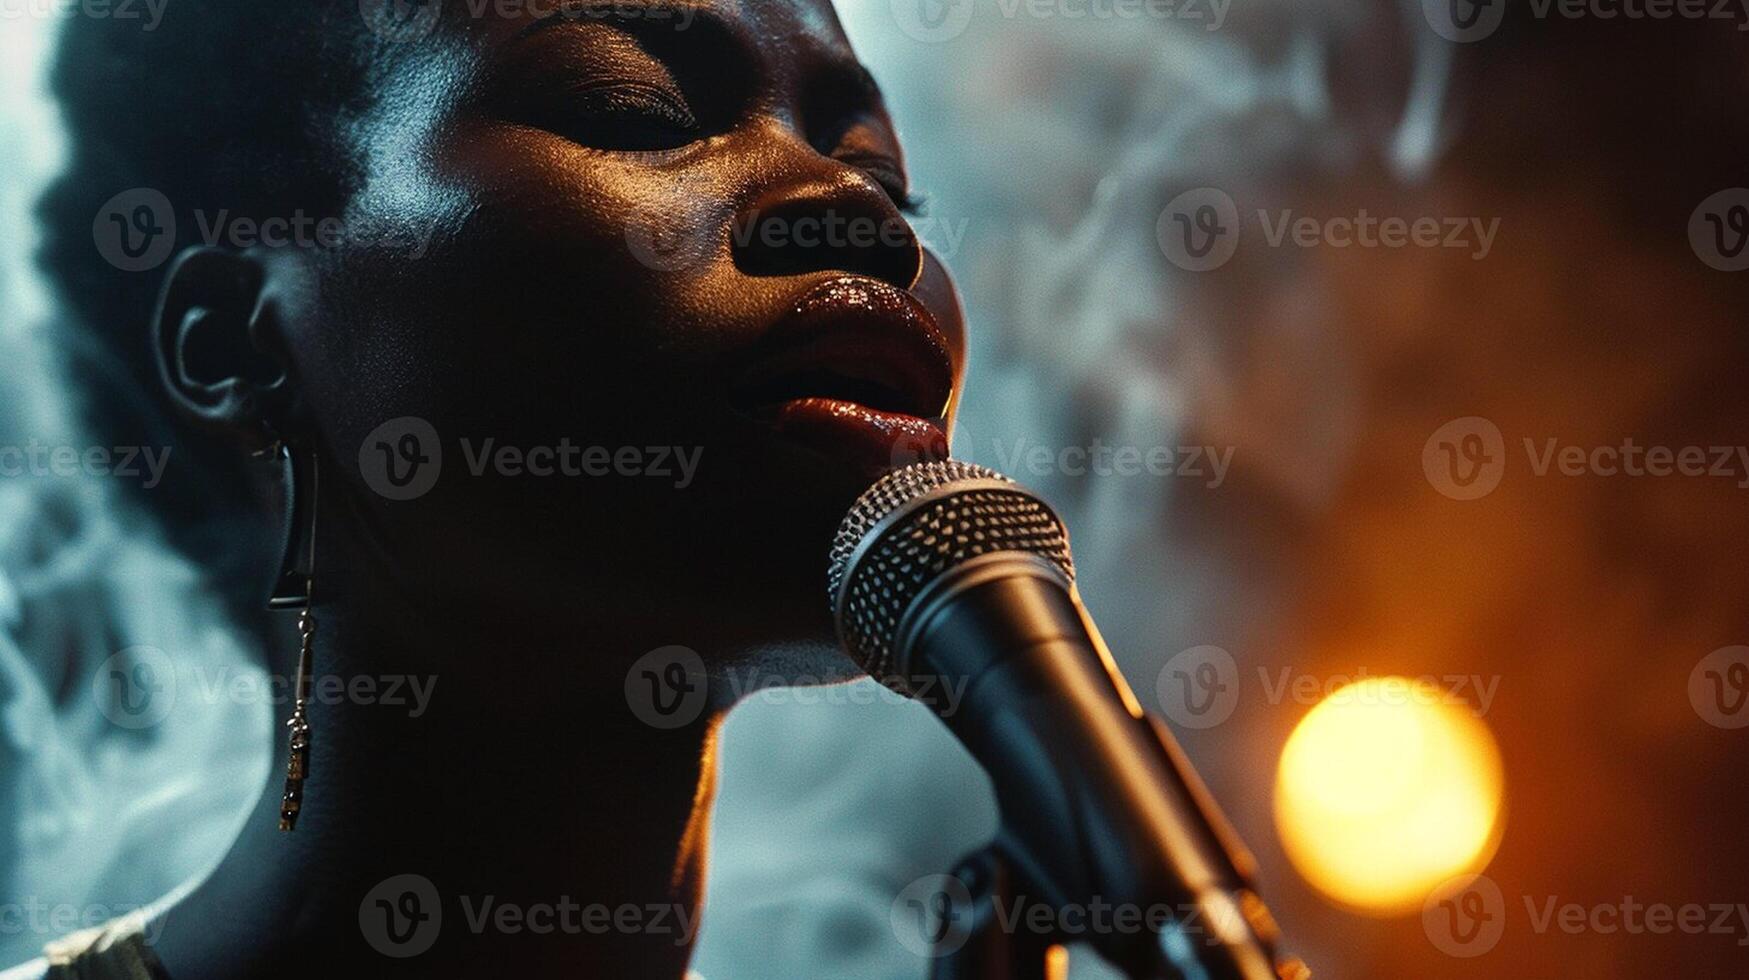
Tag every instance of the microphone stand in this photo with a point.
(982, 949)
(982, 943)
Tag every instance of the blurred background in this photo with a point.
(1354, 340)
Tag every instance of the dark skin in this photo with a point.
(524, 151)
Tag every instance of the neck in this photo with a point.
(558, 832)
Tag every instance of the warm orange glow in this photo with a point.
(1386, 789)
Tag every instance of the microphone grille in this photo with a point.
(914, 524)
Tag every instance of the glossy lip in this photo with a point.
(858, 369)
(847, 335)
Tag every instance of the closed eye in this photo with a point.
(622, 114)
(890, 174)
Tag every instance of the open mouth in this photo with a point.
(855, 341)
(858, 371)
(858, 380)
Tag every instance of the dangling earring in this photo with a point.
(296, 589)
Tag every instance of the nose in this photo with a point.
(835, 220)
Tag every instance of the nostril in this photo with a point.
(800, 237)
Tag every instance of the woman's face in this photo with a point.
(642, 277)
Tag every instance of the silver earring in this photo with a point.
(296, 589)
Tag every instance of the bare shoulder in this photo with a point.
(37, 969)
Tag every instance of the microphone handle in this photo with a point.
(1097, 803)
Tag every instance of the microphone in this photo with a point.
(947, 571)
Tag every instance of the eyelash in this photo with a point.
(887, 174)
(605, 103)
(634, 99)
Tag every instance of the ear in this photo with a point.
(216, 337)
